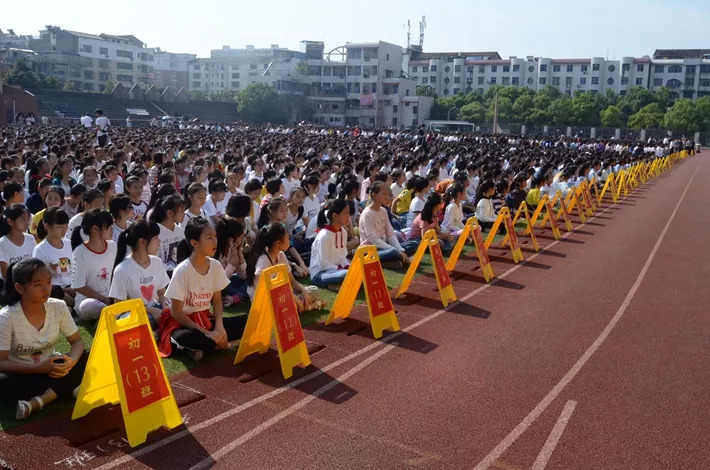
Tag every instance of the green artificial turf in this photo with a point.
(175, 366)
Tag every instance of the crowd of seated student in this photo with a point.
(167, 216)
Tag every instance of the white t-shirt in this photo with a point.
(193, 289)
(211, 209)
(169, 241)
(86, 121)
(396, 189)
(292, 220)
(102, 123)
(189, 215)
(58, 260)
(131, 281)
(11, 253)
(93, 269)
(416, 205)
(27, 344)
(71, 211)
(117, 231)
(139, 210)
(75, 222)
(264, 263)
(311, 207)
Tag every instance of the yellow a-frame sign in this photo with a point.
(443, 281)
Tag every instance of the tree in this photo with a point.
(68, 86)
(505, 109)
(260, 103)
(22, 75)
(473, 112)
(561, 111)
(702, 109)
(198, 95)
(612, 117)
(301, 67)
(522, 108)
(47, 83)
(681, 118)
(584, 107)
(109, 86)
(648, 117)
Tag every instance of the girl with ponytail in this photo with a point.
(93, 199)
(33, 373)
(453, 214)
(268, 250)
(55, 251)
(121, 209)
(16, 244)
(53, 198)
(141, 275)
(329, 253)
(92, 264)
(196, 286)
(168, 213)
(230, 244)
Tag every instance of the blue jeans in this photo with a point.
(389, 254)
(237, 286)
(331, 276)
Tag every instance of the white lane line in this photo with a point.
(215, 456)
(229, 413)
(570, 375)
(549, 447)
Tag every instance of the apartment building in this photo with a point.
(89, 61)
(230, 69)
(685, 71)
(362, 84)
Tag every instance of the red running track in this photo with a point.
(589, 355)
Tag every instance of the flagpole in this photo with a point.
(495, 115)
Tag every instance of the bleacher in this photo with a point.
(74, 104)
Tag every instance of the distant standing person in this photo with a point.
(86, 121)
(128, 121)
(102, 125)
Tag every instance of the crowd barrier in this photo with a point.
(124, 366)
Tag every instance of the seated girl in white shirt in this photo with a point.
(196, 285)
(55, 251)
(485, 213)
(329, 253)
(453, 214)
(33, 373)
(268, 251)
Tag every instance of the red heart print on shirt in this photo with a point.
(147, 292)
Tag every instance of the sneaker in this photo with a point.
(227, 301)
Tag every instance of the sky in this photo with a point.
(547, 28)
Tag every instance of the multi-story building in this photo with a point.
(89, 61)
(449, 74)
(363, 84)
(230, 69)
(685, 71)
(171, 69)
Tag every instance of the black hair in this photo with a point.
(288, 168)
(191, 190)
(268, 210)
(483, 188)
(140, 229)
(52, 216)
(252, 185)
(501, 186)
(348, 187)
(93, 218)
(309, 181)
(452, 191)
(77, 190)
(325, 215)
(163, 191)
(427, 213)
(239, 206)
(420, 184)
(273, 186)
(217, 185)
(10, 190)
(22, 273)
(161, 208)
(266, 237)
(14, 212)
(89, 196)
(132, 180)
(118, 203)
(226, 229)
(104, 185)
(376, 187)
(193, 231)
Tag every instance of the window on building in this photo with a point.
(595, 80)
(625, 67)
(235, 84)
(481, 69)
(457, 69)
(690, 69)
(425, 69)
(624, 80)
(530, 81)
(432, 80)
(457, 80)
(103, 76)
(196, 75)
(543, 67)
(516, 68)
(506, 68)
(124, 66)
(425, 79)
(675, 69)
(639, 81)
(395, 108)
(235, 74)
(583, 80)
(657, 82)
(595, 67)
(611, 68)
(659, 69)
(252, 66)
(88, 75)
(688, 94)
(704, 82)
(447, 69)
(531, 69)
(705, 69)
(556, 81)
(196, 84)
(690, 83)
(494, 68)
(415, 109)
(493, 80)
(505, 81)
(126, 54)
(516, 81)
(480, 80)
(543, 80)
(125, 78)
(585, 68)
(195, 67)
(457, 91)
(639, 67)
(86, 48)
(610, 81)
(570, 68)
(103, 50)
(446, 91)
(555, 68)
(414, 69)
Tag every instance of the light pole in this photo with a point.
(448, 114)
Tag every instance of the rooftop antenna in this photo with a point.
(422, 27)
(409, 33)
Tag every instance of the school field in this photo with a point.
(592, 353)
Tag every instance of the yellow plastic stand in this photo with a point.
(504, 218)
(523, 209)
(443, 281)
(553, 221)
(472, 230)
(366, 268)
(273, 310)
(124, 367)
(582, 200)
